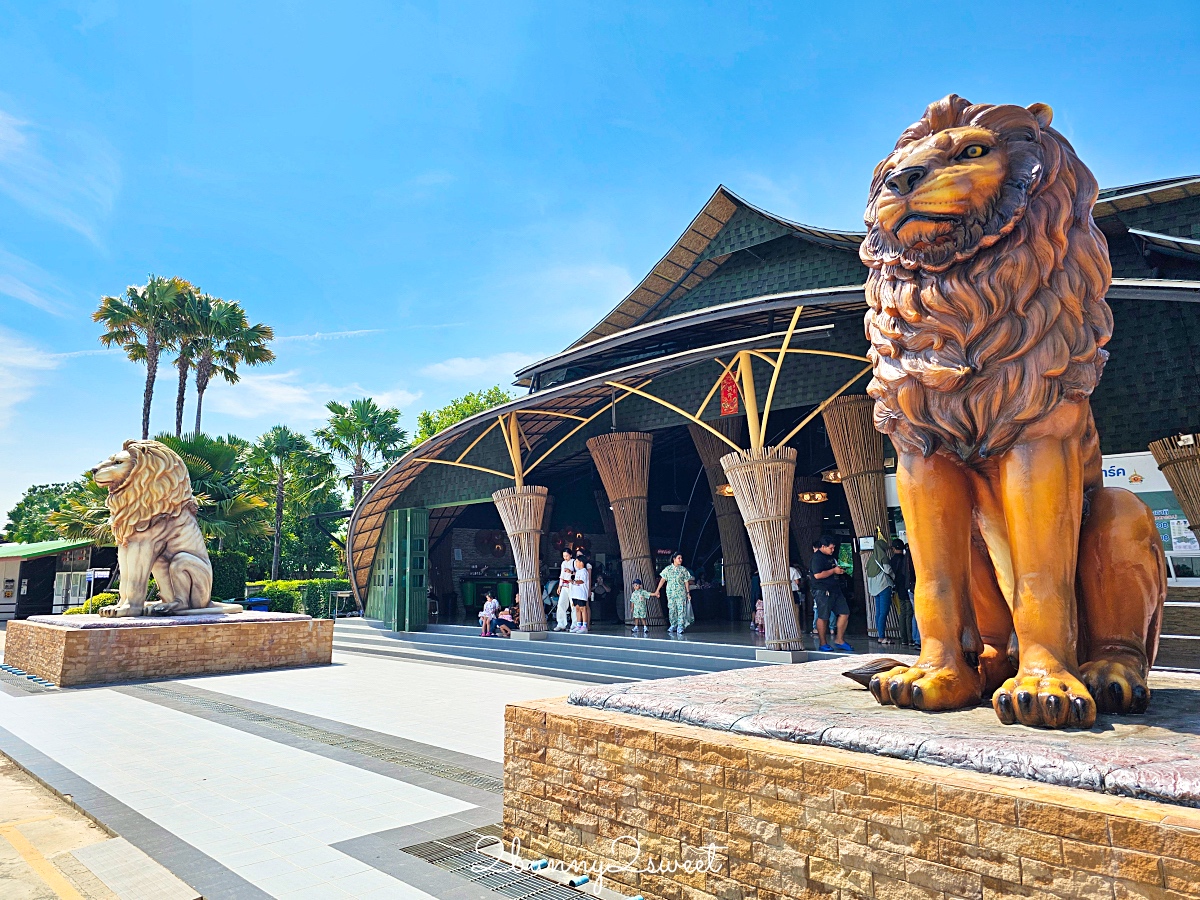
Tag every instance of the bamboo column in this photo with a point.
(606, 513)
(806, 517)
(858, 449)
(1180, 465)
(623, 460)
(762, 480)
(523, 510)
(735, 546)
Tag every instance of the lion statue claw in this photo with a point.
(153, 517)
(1036, 586)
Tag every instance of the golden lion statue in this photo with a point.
(1035, 585)
(154, 521)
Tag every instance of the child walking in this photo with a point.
(637, 605)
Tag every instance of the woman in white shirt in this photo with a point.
(566, 573)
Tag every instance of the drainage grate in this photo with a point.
(457, 854)
(409, 760)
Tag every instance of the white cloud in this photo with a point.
(22, 280)
(73, 179)
(21, 368)
(329, 335)
(482, 371)
(286, 397)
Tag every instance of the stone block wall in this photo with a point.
(68, 656)
(739, 818)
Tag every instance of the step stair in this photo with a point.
(581, 657)
(1179, 646)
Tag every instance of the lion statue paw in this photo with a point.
(1057, 700)
(928, 686)
(1117, 686)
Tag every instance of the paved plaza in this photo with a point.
(291, 783)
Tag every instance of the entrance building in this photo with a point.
(748, 334)
(47, 577)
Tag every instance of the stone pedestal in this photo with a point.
(719, 813)
(88, 649)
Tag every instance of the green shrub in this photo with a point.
(229, 575)
(93, 605)
(282, 599)
(307, 596)
(316, 595)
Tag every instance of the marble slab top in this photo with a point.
(1155, 756)
(91, 620)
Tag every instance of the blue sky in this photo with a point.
(422, 197)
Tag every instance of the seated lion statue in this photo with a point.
(154, 521)
(1036, 586)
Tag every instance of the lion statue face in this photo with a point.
(987, 278)
(145, 480)
(114, 471)
(958, 181)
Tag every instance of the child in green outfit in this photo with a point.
(637, 604)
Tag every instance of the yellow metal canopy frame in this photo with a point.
(514, 436)
(742, 367)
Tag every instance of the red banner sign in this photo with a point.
(729, 395)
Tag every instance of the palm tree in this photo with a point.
(362, 434)
(185, 329)
(139, 323)
(83, 514)
(224, 340)
(227, 508)
(283, 459)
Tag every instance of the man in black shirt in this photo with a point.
(828, 593)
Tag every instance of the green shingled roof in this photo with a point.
(39, 548)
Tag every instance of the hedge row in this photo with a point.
(307, 597)
(93, 605)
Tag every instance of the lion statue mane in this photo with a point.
(153, 518)
(973, 340)
(1037, 587)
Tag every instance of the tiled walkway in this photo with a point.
(251, 804)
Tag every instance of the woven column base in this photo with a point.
(522, 510)
(762, 485)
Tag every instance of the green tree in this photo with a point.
(430, 422)
(223, 340)
(139, 322)
(285, 463)
(27, 521)
(227, 508)
(364, 436)
(83, 514)
(306, 548)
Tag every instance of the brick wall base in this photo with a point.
(68, 656)
(757, 819)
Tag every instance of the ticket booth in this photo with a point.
(44, 577)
